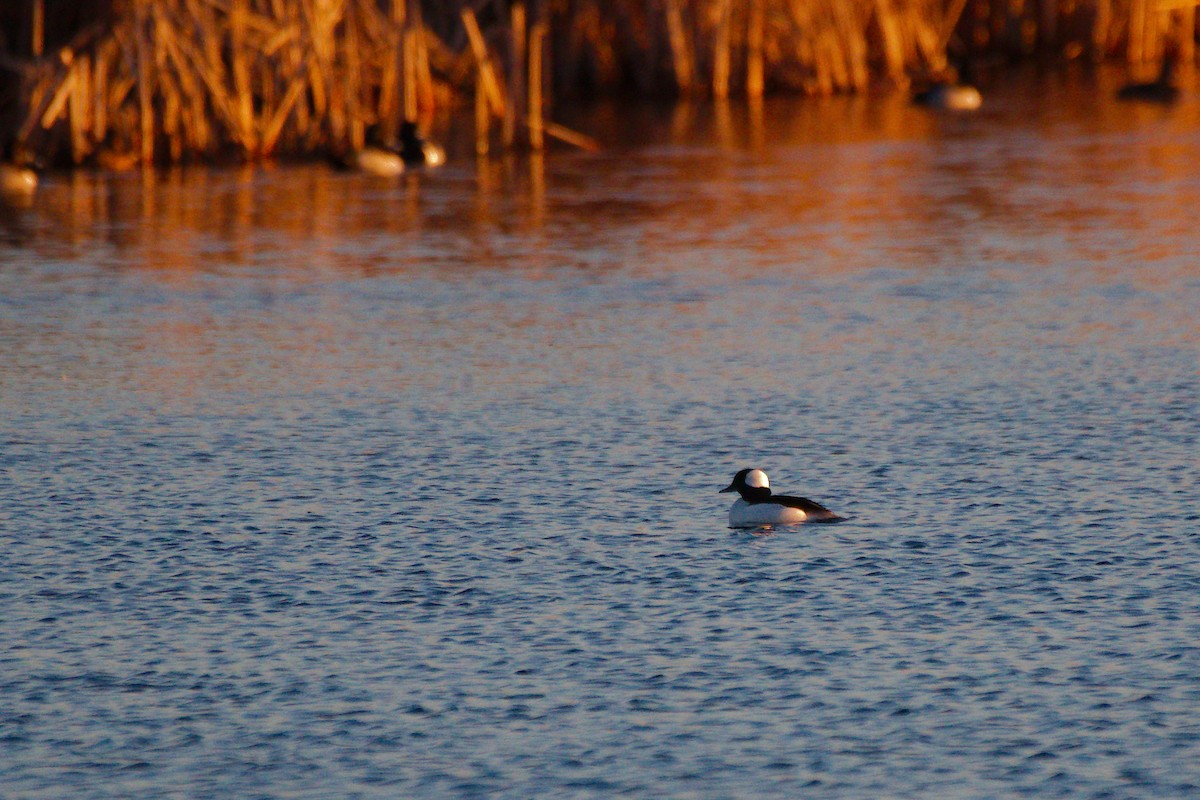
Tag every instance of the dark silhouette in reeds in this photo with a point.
(1160, 90)
(415, 150)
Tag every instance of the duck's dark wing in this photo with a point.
(814, 510)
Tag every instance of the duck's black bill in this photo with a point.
(729, 488)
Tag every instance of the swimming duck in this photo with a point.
(757, 506)
(387, 157)
(952, 97)
(947, 91)
(18, 181)
(1160, 90)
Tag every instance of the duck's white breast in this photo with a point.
(379, 162)
(434, 156)
(962, 98)
(17, 181)
(751, 515)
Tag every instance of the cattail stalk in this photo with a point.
(721, 54)
(145, 105)
(410, 74)
(483, 62)
(537, 39)
(681, 57)
(516, 73)
(482, 114)
(754, 50)
(38, 34)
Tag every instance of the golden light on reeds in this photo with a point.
(176, 79)
(173, 80)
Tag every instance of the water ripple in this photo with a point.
(433, 512)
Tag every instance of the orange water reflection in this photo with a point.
(697, 201)
(839, 175)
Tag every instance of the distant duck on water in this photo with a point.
(756, 506)
(388, 158)
(18, 180)
(1161, 90)
(945, 90)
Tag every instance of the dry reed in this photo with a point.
(171, 80)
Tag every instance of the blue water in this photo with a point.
(315, 486)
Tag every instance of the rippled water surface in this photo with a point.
(315, 486)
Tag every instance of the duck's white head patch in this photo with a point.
(757, 479)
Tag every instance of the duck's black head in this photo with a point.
(751, 484)
(412, 144)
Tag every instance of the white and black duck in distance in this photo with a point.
(949, 88)
(388, 158)
(757, 506)
(18, 176)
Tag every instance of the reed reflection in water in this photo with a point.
(845, 159)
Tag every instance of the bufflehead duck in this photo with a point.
(757, 506)
(388, 158)
(1156, 91)
(952, 97)
(947, 91)
(18, 180)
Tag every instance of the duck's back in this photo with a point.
(813, 511)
